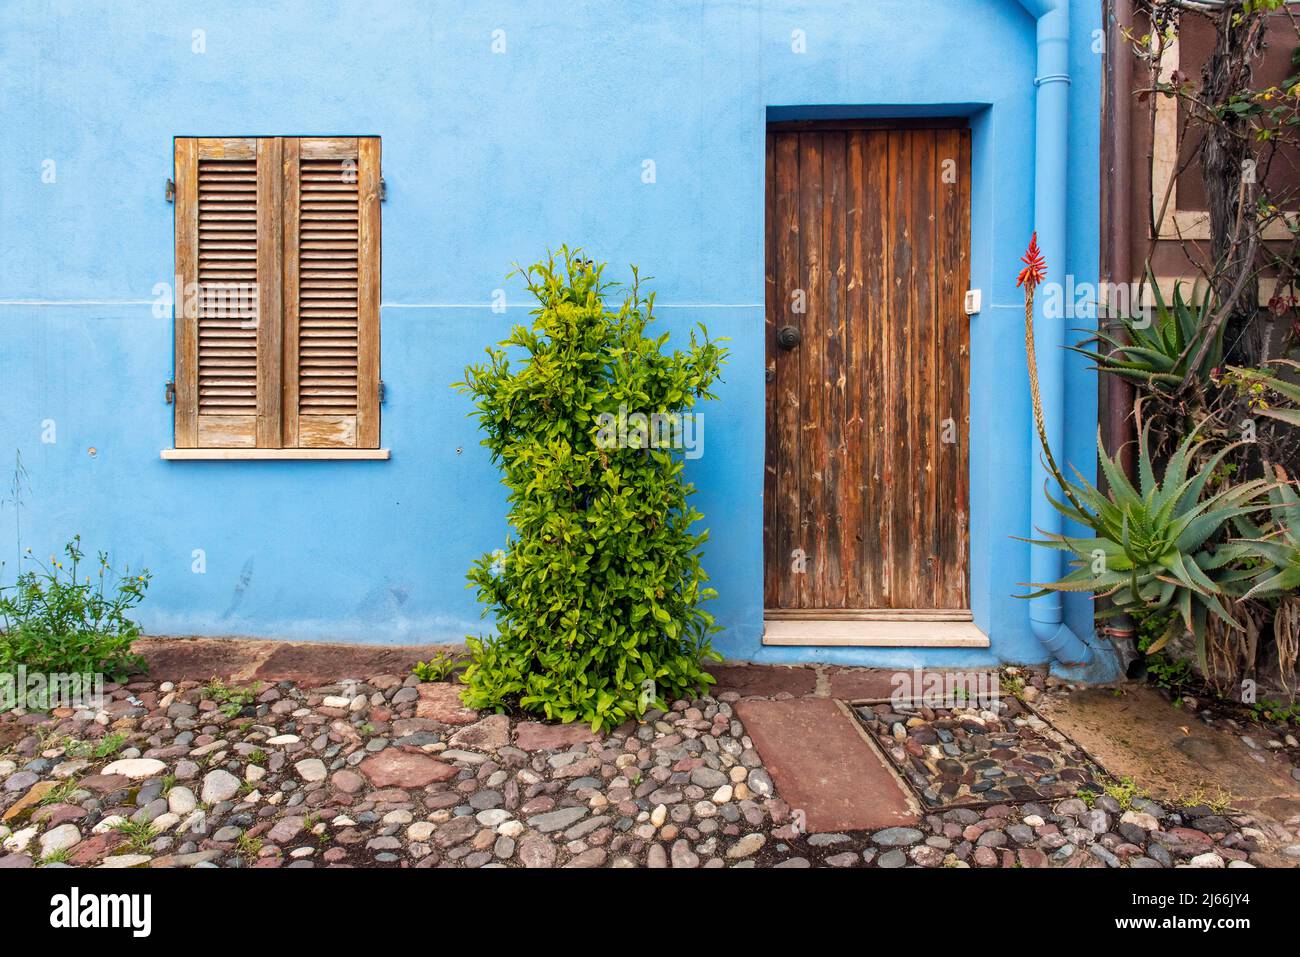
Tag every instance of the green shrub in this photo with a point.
(56, 619)
(597, 594)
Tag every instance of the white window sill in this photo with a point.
(253, 455)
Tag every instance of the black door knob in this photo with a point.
(787, 337)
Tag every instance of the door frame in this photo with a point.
(896, 627)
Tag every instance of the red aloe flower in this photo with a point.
(1035, 265)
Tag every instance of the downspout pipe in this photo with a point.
(1051, 144)
(1120, 427)
(1119, 393)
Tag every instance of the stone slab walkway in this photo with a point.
(823, 764)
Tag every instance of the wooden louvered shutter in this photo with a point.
(228, 329)
(331, 292)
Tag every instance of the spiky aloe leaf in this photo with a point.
(1155, 351)
(1122, 491)
(1289, 416)
(1285, 580)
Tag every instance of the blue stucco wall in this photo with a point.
(489, 158)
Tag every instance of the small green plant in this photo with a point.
(57, 619)
(139, 834)
(230, 700)
(1173, 674)
(1280, 712)
(1163, 669)
(257, 757)
(1009, 684)
(597, 595)
(168, 782)
(60, 793)
(248, 847)
(1219, 802)
(110, 744)
(61, 856)
(105, 747)
(1125, 791)
(438, 668)
(1265, 567)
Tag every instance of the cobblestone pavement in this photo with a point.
(952, 759)
(390, 772)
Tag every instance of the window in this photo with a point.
(277, 298)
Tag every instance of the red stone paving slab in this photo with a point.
(308, 664)
(198, 659)
(763, 680)
(854, 684)
(394, 768)
(821, 762)
(535, 736)
(851, 684)
(440, 701)
(311, 663)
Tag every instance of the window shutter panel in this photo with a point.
(228, 350)
(331, 292)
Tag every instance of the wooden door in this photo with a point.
(865, 494)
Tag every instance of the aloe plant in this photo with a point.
(1150, 549)
(1264, 565)
(1158, 352)
(1265, 562)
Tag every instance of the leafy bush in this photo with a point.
(597, 596)
(57, 620)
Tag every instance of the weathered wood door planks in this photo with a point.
(865, 494)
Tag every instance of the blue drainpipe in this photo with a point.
(1051, 140)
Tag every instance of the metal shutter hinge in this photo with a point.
(170, 194)
(169, 392)
(381, 391)
(383, 190)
